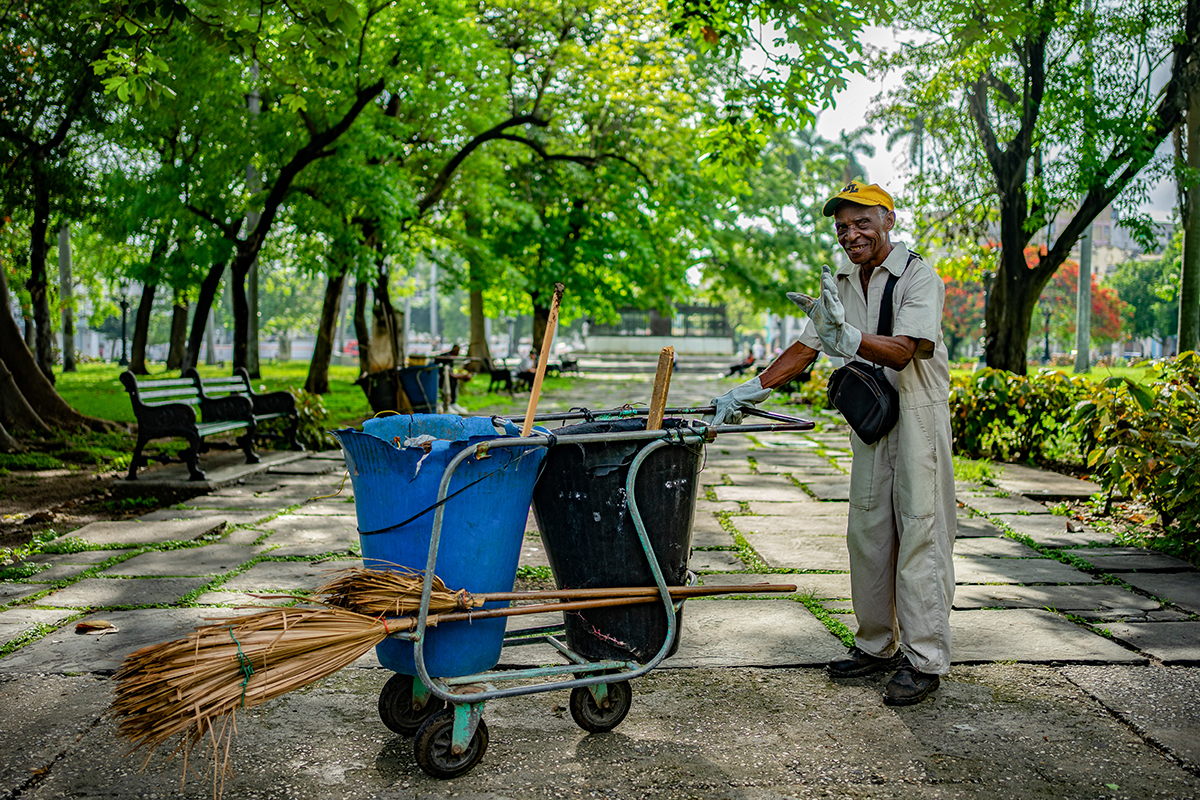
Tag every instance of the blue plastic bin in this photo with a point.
(482, 528)
(420, 385)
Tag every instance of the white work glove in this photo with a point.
(829, 318)
(730, 405)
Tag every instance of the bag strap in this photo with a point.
(885, 305)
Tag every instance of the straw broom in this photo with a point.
(193, 687)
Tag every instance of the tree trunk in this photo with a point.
(66, 298)
(478, 349)
(390, 351)
(361, 331)
(1189, 279)
(179, 320)
(208, 291)
(241, 308)
(39, 297)
(541, 316)
(7, 443)
(318, 369)
(1011, 300)
(141, 331)
(15, 412)
(36, 387)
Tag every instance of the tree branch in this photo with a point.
(442, 181)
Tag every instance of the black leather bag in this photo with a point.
(868, 402)
(862, 392)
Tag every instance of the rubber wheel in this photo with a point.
(432, 747)
(592, 717)
(396, 706)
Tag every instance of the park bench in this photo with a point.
(167, 409)
(267, 405)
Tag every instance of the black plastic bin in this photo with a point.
(591, 542)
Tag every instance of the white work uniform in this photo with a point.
(902, 505)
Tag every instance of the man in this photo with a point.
(902, 506)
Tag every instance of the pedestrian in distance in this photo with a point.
(902, 505)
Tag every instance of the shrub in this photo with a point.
(1007, 417)
(813, 392)
(313, 432)
(1143, 440)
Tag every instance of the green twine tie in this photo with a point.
(244, 663)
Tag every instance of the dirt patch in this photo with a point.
(62, 500)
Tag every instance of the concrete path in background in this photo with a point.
(1075, 660)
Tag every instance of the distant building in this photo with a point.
(693, 330)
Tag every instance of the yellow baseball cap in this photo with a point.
(861, 193)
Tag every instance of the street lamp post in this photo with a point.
(124, 362)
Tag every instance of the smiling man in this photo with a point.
(902, 506)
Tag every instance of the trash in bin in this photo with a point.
(395, 494)
(590, 539)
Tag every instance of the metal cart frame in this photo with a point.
(450, 742)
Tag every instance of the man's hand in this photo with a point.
(730, 405)
(829, 318)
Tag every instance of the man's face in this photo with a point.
(862, 231)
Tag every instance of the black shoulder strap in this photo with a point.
(885, 305)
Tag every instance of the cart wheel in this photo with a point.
(592, 717)
(396, 706)
(432, 746)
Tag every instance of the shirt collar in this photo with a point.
(895, 263)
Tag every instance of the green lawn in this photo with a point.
(96, 390)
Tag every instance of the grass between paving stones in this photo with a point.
(528, 573)
(744, 551)
(1079, 564)
(39, 630)
(802, 487)
(1078, 620)
(835, 626)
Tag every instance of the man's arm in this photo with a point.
(791, 362)
(890, 351)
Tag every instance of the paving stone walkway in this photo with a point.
(1033, 587)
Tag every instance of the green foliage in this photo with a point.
(529, 573)
(21, 571)
(313, 431)
(969, 470)
(1143, 440)
(1006, 417)
(814, 392)
(29, 461)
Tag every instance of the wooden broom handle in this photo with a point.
(662, 384)
(543, 357)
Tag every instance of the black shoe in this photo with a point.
(857, 663)
(909, 686)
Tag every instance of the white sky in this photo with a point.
(882, 168)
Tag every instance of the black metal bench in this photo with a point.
(267, 406)
(167, 409)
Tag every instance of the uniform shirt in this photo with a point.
(917, 304)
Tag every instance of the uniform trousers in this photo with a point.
(901, 538)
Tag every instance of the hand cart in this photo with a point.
(445, 715)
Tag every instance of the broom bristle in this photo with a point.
(185, 686)
(193, 687)
(392, 591)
